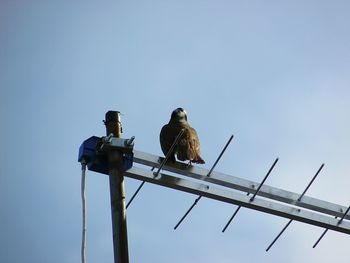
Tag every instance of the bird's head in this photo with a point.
(179, 115)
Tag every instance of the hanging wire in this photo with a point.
(83, 198)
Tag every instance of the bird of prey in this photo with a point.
(188, 147)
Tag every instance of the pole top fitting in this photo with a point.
(112, 116)
(113, 124)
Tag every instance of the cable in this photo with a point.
(83, 197)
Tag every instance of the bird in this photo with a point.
(188, 147)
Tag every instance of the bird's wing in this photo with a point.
(165, 138)
(188, 145)
(194, 143)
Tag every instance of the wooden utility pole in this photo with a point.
(116, 183)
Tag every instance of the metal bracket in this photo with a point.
(94, 152)
(110, 142)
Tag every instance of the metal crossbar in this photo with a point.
(233, 197)
(244, 185)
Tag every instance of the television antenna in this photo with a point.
(115, 157)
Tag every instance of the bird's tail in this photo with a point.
(198, 159)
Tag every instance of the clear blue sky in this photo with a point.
(273, 73)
